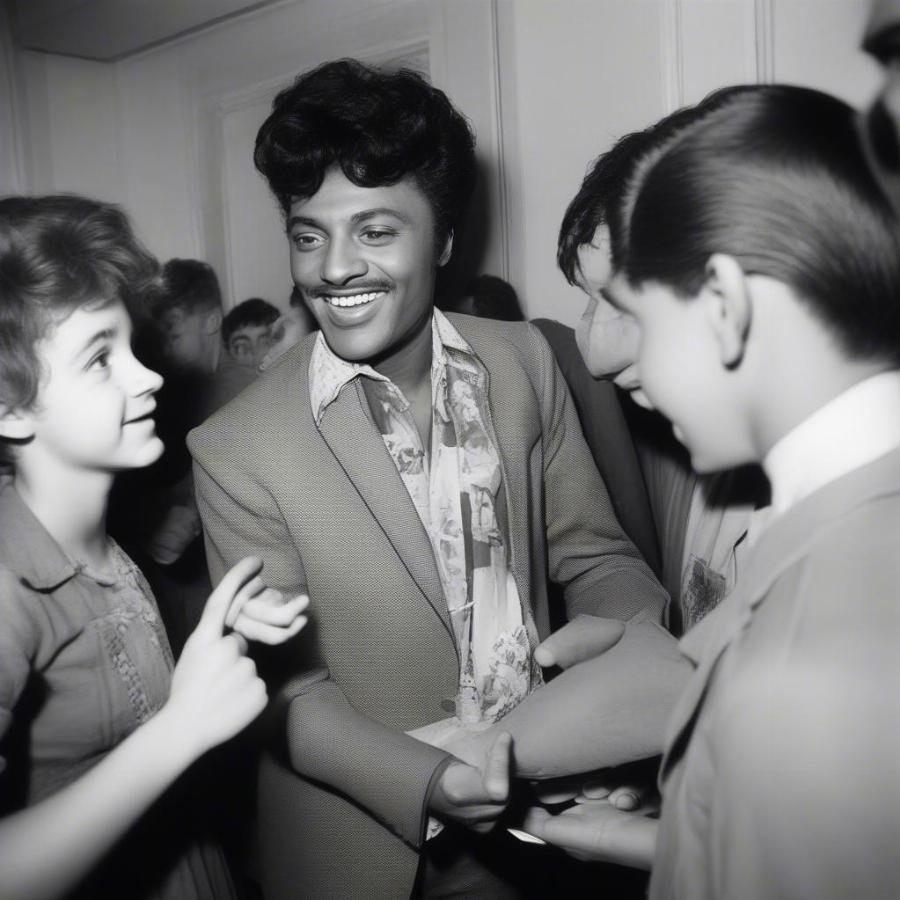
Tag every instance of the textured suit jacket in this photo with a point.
(609, 439)
(326, 508)
(782, 773)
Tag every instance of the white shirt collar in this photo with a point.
(329, 373)
(853, 429)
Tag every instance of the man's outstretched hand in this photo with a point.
(596, 831)
(475, 795)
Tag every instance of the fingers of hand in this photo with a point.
(269, 607)
(595, 790)
(216, 689)
(239, 644)
(240, 676)
(464, 786)
(571, 829)
(254, 630)
(557, 790)
(245, 700)
(220, 600)
(237, 678)
(627, 797)
(496, 770)
(204, 652)
(582, 638)
(535, 820)
(252, 588)
(539, 822)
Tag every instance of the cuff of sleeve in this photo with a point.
(384, 770)
(433, 826)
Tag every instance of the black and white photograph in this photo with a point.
(449, 449)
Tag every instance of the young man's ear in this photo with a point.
(447, 252)
(729, 306)
(14, 424)
(213, 321)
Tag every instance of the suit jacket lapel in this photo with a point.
(511, 508)
(511, 502)
(787, 540)
(790, 536)
(349, 431)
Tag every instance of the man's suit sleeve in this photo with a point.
(242, 519)
(382, 769)
(588, 552)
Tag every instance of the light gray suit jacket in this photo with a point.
(782, 771)
(325, 507)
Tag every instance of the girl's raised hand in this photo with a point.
(215, 689)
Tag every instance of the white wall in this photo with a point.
(547, 84)
(13, 175)
(579, 73)
(169, 132)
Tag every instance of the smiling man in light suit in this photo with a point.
(422, 476)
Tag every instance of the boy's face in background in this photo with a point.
(364, 260)
(94, 410)
(293, 326)
(607, 337)
(190, 339)
(249, 344)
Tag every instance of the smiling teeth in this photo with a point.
(352, 299)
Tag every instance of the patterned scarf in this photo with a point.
(455, 494)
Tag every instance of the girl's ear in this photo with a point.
(729, 306)
(14, 424)
(444, 258)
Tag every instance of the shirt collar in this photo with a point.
(26, 547)
(853, 429)
(329, 373)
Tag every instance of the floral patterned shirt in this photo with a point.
(454, 489)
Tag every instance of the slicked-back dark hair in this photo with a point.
(378, 126)
(601, 199)
(57, 254)
(776, 178)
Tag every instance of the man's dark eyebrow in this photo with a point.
(301, 220)
(378, 211)
(356, 218)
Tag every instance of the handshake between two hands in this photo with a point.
(599, 821)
